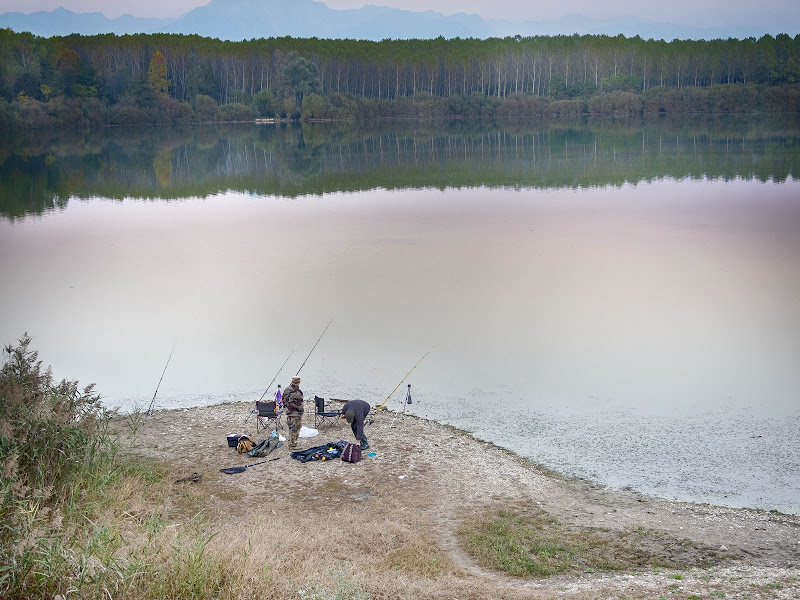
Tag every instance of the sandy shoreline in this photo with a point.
(450, 474)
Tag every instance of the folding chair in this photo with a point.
(268, 417)
(322, 416)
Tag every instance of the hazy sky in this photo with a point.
(694, 12)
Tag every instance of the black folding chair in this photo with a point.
(322, 416)
(268, 417)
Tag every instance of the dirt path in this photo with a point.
(450, 475)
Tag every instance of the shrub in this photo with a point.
(522, 104)
(313, 107)
(126, 114)
(566, 107)
(7, 118)
(68, 112)
(205, 107)
(33, 114)
(173, 111)
(234, 112)
(264, 104)
(53, 445)
(341, 106)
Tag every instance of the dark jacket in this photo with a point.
(360, 410)
(293, 399)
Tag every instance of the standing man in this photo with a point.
(356, 412)
(293, 401)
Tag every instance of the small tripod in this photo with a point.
(406, 402)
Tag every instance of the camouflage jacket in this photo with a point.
(293, 399)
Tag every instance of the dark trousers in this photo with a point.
(364, 443)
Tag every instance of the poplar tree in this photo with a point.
(157, 73)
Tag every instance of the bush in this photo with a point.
(95, 112)
(621, 83)
(234, 112)
(50, 430)
(264, 104)
(286, 109)
(205, 107)
(68, 113)
(313, 107)
(173, 111)
(616, 102)
(7, 117)
(341, 106)
(567, 107)
(53, 445)
(126, 114)
(523, 105)
(240, 97)
(33, 114)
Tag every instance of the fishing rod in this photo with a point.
(312, 350)
(399, 384)
(271, 382)
(150, 410)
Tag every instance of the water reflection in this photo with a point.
(39, 173)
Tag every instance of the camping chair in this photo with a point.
(268, 417)
(322, 416)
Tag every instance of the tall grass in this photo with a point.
(60, 469)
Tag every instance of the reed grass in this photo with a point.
(61, 470)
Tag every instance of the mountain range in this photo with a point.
(246, 19)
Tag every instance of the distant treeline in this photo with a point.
(168, 78)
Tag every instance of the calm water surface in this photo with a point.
(619, 302)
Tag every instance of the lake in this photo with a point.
(616, 299)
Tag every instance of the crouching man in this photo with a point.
(356, 412)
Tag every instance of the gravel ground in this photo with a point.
(755, 554)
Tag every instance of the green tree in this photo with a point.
(157, 74)
(302, 77)
(86, 84)
(68, 65)
(264, 104)
(313, 107)
(142, 92)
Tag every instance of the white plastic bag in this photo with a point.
(307, 432)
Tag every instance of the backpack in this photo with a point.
(351, 453)
(246, 443)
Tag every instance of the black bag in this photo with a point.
(351, 453)
(264, 447)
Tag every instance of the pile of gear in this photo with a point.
(328, 451)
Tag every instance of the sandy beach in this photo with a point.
(443, 476)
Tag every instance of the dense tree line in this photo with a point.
(178, 78)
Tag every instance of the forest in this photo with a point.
(85, 81)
